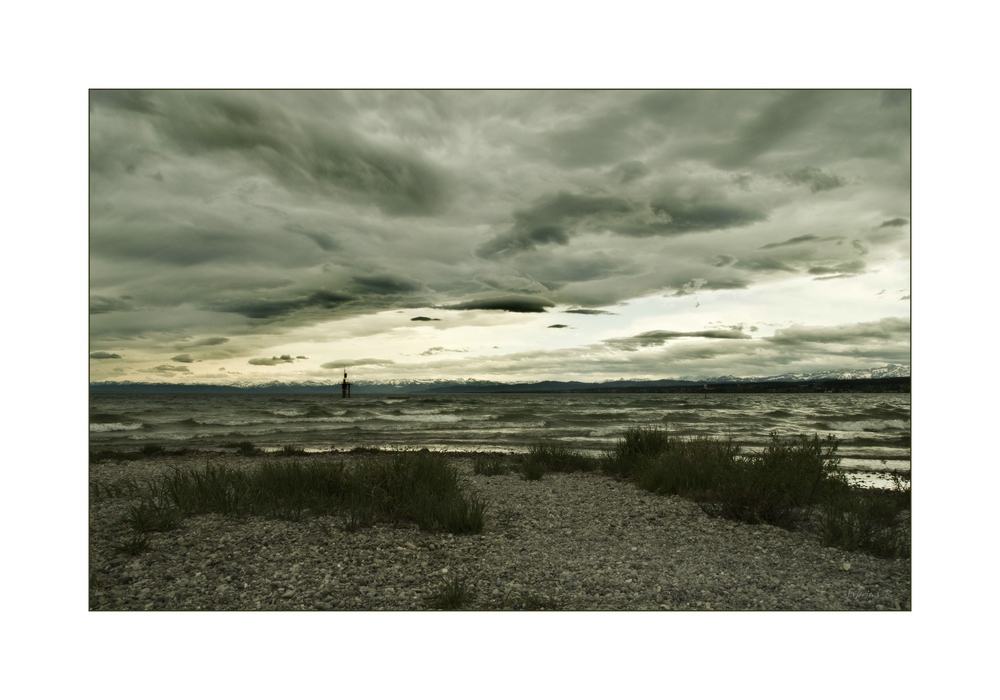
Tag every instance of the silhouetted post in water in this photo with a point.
(705, 386)
(345, 388)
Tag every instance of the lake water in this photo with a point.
(870, 428)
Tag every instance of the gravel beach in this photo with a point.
(578, 541)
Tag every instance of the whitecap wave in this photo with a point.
(111, 427)
(870, 425)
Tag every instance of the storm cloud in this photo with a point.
(855, 333)
(657, 338)
(271, 361)
(238, 227)
(267, 308)
(356, 362)
(514, 304)
(816, 179)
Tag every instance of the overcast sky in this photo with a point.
(511, 235)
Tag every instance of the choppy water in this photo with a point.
(869, 427)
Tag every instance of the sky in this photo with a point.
(254, 236)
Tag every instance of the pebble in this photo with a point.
(571, 557)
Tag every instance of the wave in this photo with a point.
(519, 417)
(110, 418)
(111, 427)
(868, 425)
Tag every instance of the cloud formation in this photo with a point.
(515, 304)
(657, 338)
(271, 361)
(815, 179)
(236, 227)
(356, 362)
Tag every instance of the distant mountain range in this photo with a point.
(466, 386)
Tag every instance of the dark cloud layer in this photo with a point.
(218, 340)
(314, 157)
(271, 361)
(554, 219)
(385, 284)
(657, 338)
(101, 355)
(356, 362)
(105, 305)
(808, 238)
(858, 333)
(816, 179)
(515, 304)
(267, 308)
(898, 221)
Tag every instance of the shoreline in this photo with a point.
(571, 541)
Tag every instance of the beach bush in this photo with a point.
(871, 520)
(420, 487)
(775, 485)
(636, 447)
(694, 468)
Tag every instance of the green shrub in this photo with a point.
(691, 468)
(636, 447)
(776, 485)
(870, 520)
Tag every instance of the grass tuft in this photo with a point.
(452, 595)
(137, 544)
(244, 448)
(490, 465)
(151, 516)
(545, 457)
